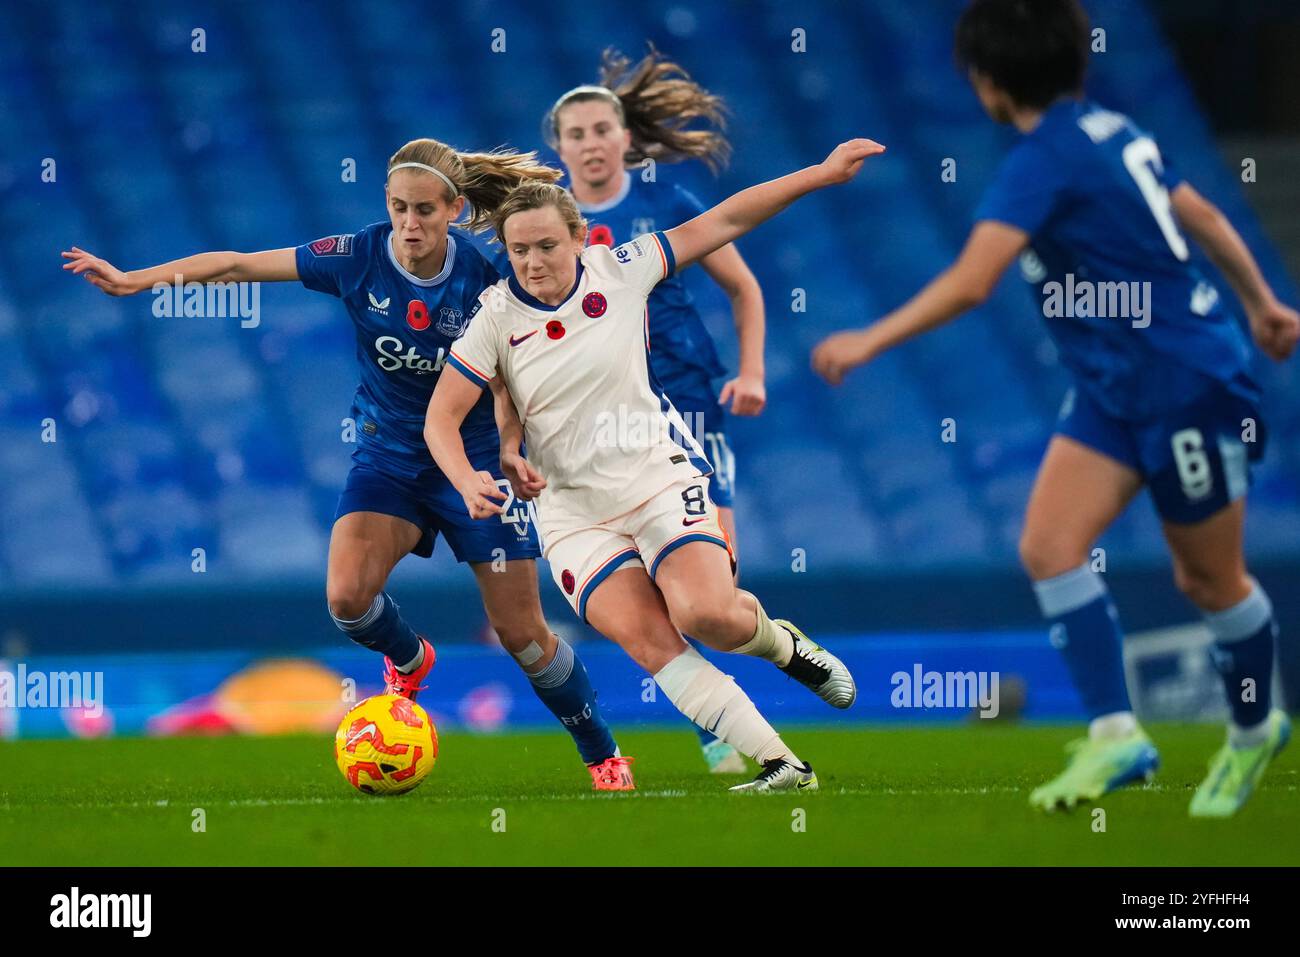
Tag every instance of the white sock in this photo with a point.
(770, 642)
(1251, 737)
(718, 705)
(1113, 726)
(414, 663)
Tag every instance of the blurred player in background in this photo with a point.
(633, 540)
(605, 134)
(1163, 399)
(411, 285)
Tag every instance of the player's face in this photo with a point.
(419, 212)
(592, 142)
(542, 253)
(995, 102)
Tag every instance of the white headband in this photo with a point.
(587, 90)
(429, 169)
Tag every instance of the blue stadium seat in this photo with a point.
(177, 433)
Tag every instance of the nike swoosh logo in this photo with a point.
(717, 722)
(359, 734)
(802, 785)
(694, 521)
(515, 342)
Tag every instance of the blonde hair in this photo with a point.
(538, 195)
(484, 179)
(654, 99)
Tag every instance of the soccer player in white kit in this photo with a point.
(627, 526)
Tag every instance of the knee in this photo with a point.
(1046, 554)
(517, 635)
(350, 599)
(710, 622)
(650, 643)
(1210, 590)
(653, 658)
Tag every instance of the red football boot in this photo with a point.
(612, 774)
(408, 686)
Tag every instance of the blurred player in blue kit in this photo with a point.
(1162, 397)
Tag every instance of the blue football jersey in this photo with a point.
(682, 352)
(405, 327)
(1136, 321)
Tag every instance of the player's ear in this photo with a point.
(456, 207)
(580, 237)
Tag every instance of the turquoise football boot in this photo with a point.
(1098, 767)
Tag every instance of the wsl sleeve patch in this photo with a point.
(340, 245)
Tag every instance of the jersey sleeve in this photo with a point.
(645, 261)
(1173, 175)
(474, 354)
(334, 264)
(1028, 188)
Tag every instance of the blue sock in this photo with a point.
(382, 629)
(1243, 654)
(566, 690)
(1085, 629)
(705, 738)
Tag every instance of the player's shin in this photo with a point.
(563, 686)
(383, 629)
(717, 704)
(705, 737)
(1085, 629)
(770, 641)
(1244, 637)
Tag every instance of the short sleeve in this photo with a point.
(1027, 189)
(334, 264)
(1172, 173)
(474, 354)
(645, 261)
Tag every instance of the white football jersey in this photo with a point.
(596, 424)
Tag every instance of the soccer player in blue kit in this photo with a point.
(603, 134)
(411, 286)
(1163, 399)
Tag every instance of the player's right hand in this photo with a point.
(526, 482)
(479, 493)
(1276, 328)
(846, 159)
(98, 272)
(835, 356)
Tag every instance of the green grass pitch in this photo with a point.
(950, 795)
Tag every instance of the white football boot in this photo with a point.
(818, 670)
(780, 775)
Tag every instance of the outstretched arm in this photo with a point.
(273, 265)
(1275, 326)
(738, 214)
(451, 401)
(989, 250)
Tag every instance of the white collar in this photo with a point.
(447, 262)
(612, 201)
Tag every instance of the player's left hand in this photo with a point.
(846, 159)
(479, 494)
(835, 356)
(525, 481)
(1276, 328)
(747, 393)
